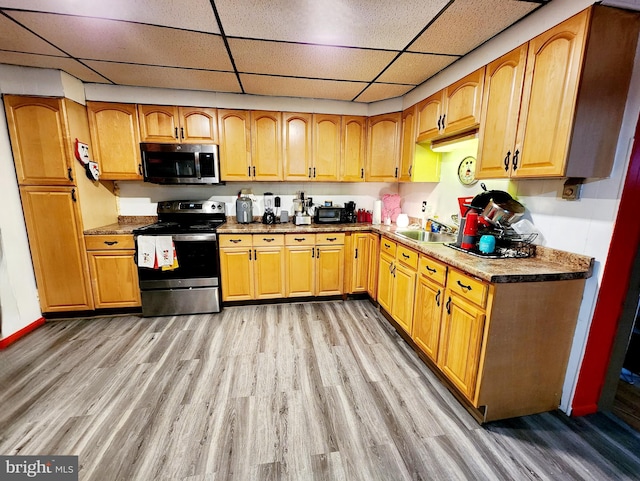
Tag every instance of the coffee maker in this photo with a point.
(269, 217)
(350, 212)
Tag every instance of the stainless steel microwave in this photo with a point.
(180, 163)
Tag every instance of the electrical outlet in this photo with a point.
(424, 206)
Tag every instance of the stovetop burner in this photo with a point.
(184, 217)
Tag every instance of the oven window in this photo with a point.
(170, 164)
(196, 259)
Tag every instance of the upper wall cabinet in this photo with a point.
(39, 135)
(573, 98)
(452, 110)
(296, 149)
(354, 136)
(326, 147)
(266, 145)
(191, 125)
(383, 147)
(115, 139)
(418, 163)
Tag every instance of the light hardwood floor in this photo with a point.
(313, 391)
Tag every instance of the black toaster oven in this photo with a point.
(328, 215)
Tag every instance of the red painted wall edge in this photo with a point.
(22, 332)
(613, 290)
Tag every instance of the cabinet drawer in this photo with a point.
(433, 270)
(260, 240)
(332, 238)
(235, 240)
(300, 239)
(407, 257)
(107, 242)
(387, 246)
(466, 286)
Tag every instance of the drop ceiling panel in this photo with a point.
(297, 87)
(192, 15)
(98, 39)
(378, 91)
(166, 77)
(385, 24)
(14, 37)
(69, 65)
(415, 68)
(315, 61)
(469, 23)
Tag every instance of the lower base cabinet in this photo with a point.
(114, 274)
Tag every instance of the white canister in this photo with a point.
(402, 220)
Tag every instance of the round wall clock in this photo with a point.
(467, 171)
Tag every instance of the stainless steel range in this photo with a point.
(194, 286)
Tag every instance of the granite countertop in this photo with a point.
(547, 265)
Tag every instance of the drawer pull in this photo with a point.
(438, 298)
(405, 256)
(468, 288)
(299, 239)
(387, 245)
(433, 271)
(111, 243)
(235, 241)
(331, 239)
(268, 240)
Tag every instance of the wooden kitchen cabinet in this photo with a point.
(373, 241)
(297, 145)
(408, 143)
(170, 124)
(427, 316)
(354, 138)
(326, 148)
(503, 82)
(39, 140)
(429, 117)
(54, 225)
(383, 147)
(266, 145)
(114, 274)
(329, 264)
(359, 269)
(115, 139)
(235, 145)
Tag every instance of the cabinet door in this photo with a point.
(404, 287)
(114, 277)
(198, 125)
(408, 144)
(326, 147)
(427, 316)
(235, 145)
(115, 140)
(269, 272)
(57, 247)
(460, 342)
(359, 262)
(158, 123)
(354, 131)
(300, 264)
(429, 117)
(297, 145)
(236, 273)
(329, 270)
(266, 145)
(385, 282)
(372, 284)
(499, 118)
(38, 131)
(383, 147)
(463, 100)
(548, 99)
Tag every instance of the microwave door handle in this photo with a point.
(196, 156)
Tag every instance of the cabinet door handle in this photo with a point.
(515, 159)
(176, 132)
(448, 306)
(235, 241)
(309, 172)
(255, 254)
(250, 254)
(254, 170)
(429, 269)
(271, 239)
(312, 253)
(438, 298)
(439, 120)
(70, 174)
(410, 167)
(299, 239)
(362, 173)
(405, 256)
(111, 243)
(396, 174)
(140, 169)
(249, 171)
(314, 172)
(182, 132)
(394, 271)
(317, 252)
(443, 117)
(73, 195)
(467, 288)
(356, 252)
(506, 161)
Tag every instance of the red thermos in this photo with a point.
(470, 231)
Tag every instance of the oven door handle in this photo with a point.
(194, 237)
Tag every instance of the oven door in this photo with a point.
(198, 264)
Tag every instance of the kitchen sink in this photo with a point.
(426, 236)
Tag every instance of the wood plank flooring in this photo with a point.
(312, 391)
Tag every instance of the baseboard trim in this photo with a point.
(21, 333)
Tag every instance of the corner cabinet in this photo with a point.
(115, 139)
(383, 147)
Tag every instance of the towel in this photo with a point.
(146, 251)
(174, 262)
(164, 250)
